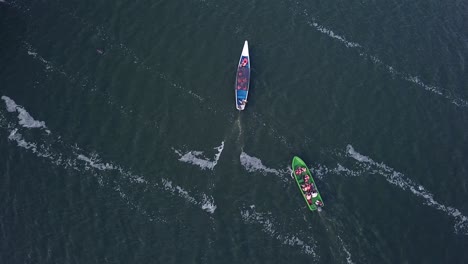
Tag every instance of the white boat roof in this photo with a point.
(245, 50)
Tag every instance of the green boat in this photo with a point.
(306, 184)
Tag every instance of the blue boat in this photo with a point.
(243, 78)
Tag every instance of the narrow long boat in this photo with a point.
(243, 78)
(306, 184)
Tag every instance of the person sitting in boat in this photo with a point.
(313, 190)
(309, 198)
(313, 187)
(306, 178)
(306, 187)
(243, 102)
(319, 203)
(244, 62)
(299, 171)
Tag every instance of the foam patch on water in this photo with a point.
(208, 204)
(253, 164)
(454, 99)
(399, 179)
(198, 158)
(265, 220)
(25, 119)
(348, 254)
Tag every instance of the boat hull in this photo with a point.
(299, 178)
(242, 85)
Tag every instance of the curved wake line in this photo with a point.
(79, 161)
(398, 179)
(58, 160)
(348, 255)
(194, 157)
(251, 216)
(456, 100)
(207, 203)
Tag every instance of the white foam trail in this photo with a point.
(25, 119)
(44, 152)
(207, 204)
(456, 100)
(18, 138)
(196, 158)
(251, 216)
(93, 161)
(47, 64)
(253, 164)
(417, 80)
(398, 179)
(320, 171)
(332, 34)
(348, 255)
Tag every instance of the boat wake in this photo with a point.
(72, 157)
(445, 93)
(399, 179)
(197, 157)
(253, 164)
(265, 220)
(321, 171)
(25, 119)
(238, 122)
(207, 203)
(348, 255)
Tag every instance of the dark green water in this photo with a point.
(120, 142)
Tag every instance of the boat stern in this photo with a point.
(240, 107)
